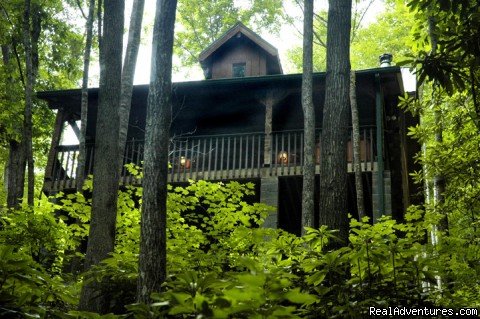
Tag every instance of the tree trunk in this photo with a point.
(15, 168)
(357, 162)
(128, 74)
(15, 174)
(438, 180)
(84, 104)
(152, 261)
(308, 119)
(105, 181)
(27, 119)
(333, 167)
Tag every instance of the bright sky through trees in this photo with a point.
(288, 38)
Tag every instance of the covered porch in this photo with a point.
(213, 157)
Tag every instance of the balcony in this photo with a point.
(213, 157)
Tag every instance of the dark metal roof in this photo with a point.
(391, 77)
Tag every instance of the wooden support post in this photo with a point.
(269, 100)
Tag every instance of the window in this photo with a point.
(238, 70)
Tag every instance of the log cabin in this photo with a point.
(244, 122)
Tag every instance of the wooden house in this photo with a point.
(245, 122)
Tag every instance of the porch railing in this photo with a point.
(216, 157)
(286, 151)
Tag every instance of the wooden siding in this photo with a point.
(255, 60)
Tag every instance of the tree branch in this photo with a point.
(81, 9)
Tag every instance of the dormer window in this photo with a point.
(238, 70)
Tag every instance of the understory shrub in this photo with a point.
(223, 264)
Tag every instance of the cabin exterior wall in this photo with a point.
(255, 61)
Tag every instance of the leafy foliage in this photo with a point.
(59, 45)
(223, 264)
(390, 33)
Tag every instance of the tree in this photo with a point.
(128, 73)
(308, 190)
(449, 64)
(101, 237)
(30, 45)
(14, 176)
(390, 32)
(84, 102)
(438, 180)
(333, 166)
(52, 66)
(152, 260)
(21, 152)
(356, 147)
(454, 64)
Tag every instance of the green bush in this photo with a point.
(223, 264)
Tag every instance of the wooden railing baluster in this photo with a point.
(185, 160)
(234, 156)
(258, 154)
(289, 154)
(246, 157)
(240, 157)
(228, 157)
(301, 152)
(295, 164)
(221, 157)
(216, 159)
(252, 161)
(204, 154)
(197, 158)
(209, 159)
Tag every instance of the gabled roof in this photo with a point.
(233, 31)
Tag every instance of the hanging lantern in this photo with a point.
(283, 157)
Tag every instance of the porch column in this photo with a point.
(269, 99)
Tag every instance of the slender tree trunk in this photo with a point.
(152, 261)
(438, 179)
(84, 104)
(128, 74)
(105, 181)
(333, 167)
(27, 121)
(308, 191)
(357, 162)
(15, 174)
(15, 168)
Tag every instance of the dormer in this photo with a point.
(240, 52)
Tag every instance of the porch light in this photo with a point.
(283, 157)
(183, 161)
